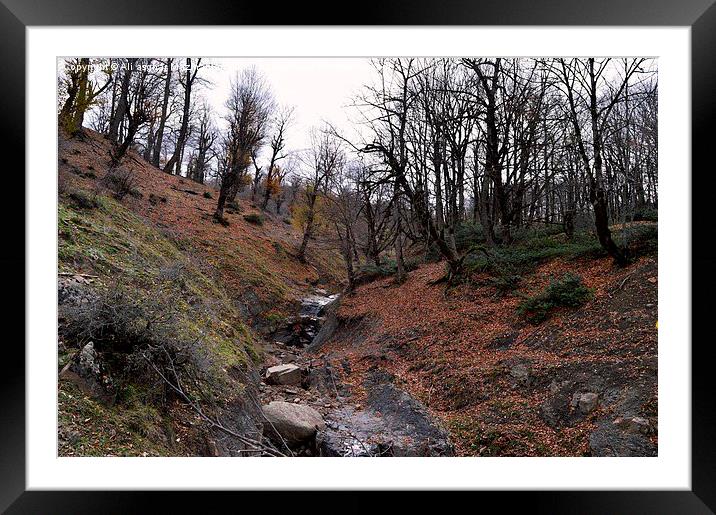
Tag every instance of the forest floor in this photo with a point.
(504, 387)
(459, 367)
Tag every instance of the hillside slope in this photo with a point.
(151, 269)
(505, 387)
(254, 263)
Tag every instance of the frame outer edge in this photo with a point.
(12, 378)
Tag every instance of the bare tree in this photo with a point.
(581, 79)
(323, 160)
(81, 93)
(277, 145)
(159, 137)
(187, 81)
(249, 107)
(205, 140)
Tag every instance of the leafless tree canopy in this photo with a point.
(438, 145)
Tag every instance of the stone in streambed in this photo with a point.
(287, 374)
(294, 423)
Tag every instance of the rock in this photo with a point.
(85, 371)
(329, 325)
(587, 402)
(400, 424)
(73, 291)
(634, 425)
(521, 373)
(287, 374)
(295, 423)
(610, 440)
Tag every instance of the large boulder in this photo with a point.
(613, 439)
(287, 374)
(294, 423)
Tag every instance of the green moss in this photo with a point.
(482, 440)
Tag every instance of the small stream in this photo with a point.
(299, 331)
(315, 304)
(389, 423)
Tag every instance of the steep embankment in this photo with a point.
(581, 383)
(254, 261)
(153, 284)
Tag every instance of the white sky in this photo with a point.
(319, 89)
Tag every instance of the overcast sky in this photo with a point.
(319, 89)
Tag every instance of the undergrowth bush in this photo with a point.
(83, 200)
(520, 257)
(370, 271)
(468, 234)
(141, 335)
(567, 291)
(647, 214)
(639, 239)
(505, 282)
(254, 218)
(121, 183)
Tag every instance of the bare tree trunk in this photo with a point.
(308, 230)
(398, 244)
(123, 104)
(163, 118)
(181, 139)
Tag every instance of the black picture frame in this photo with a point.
(700, 15)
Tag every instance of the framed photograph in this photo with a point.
(430, 248)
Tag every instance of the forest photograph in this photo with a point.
(357, 257)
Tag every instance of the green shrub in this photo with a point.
(121, 183)
(207, 195)
(370, 271)
(519, 258)
(254, 218)
(647, 214)
(468, 234)
(233, 207)
(82, 200)
(568, 291)
(505, 283)
(639, 239)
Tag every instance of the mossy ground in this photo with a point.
(127, 253)
(161, 248)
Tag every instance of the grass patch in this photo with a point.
(567, 291)
(482, 440)
(87, 428)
